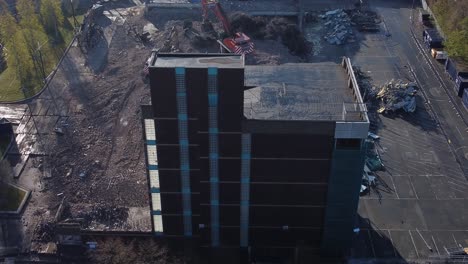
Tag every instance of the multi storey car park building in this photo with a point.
(254, 161)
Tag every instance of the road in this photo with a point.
(420, 205)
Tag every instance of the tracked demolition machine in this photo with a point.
(238, 42)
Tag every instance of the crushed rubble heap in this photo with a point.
(339, 26)
(91, 33)
(368, 91)
(271, 29)
(100, 213)
(365, 21)
(396, 94)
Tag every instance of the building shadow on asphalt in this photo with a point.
(373, 244)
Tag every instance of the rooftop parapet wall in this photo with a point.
(322, 91)
(349, 128)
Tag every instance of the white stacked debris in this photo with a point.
(339, 26)
(396, 95)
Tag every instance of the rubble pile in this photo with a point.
(339, 26)
(272, 29)
(115, 216)
(365, 21)
(44, 232)
(395, 95)
(368, 91)
(91, 33)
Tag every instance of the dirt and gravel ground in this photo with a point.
(97, 167)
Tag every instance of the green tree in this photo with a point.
(452, 17)
(33, 33)
(18, 55)
(457, 44)
(51, 16)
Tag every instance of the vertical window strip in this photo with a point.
(214, 154)
(245, 190)
(152, 154)
(184, 149)
(150, 129)
(158, 225)
(154, 178)
(152, 159)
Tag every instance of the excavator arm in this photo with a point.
(238, 43)
(218, 11)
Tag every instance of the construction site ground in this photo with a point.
(92, 169)
(97, 166)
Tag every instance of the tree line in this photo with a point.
(25, 31)
(452, 17)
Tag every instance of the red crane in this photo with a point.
(238, 42)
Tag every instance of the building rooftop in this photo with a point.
(299, 91)
(170, 60)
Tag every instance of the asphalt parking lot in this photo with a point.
(419, 206)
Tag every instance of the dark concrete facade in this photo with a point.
(248, 187)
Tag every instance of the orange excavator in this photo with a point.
(238, 42)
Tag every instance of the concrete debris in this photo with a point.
(339, 26)
(373, 162)
(365, 21)
(363, 189)
(368, 179)
(396, 95)
(149, 31)
(82, 175)
(276, 28)
(373, 136)
(45, 232)
(101, 215)
(90, 33)
(58, 131)
(368, 91)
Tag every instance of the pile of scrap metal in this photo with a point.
(395, 95)
(90, 33)
(338, 26)
(365, 20)
(372, 164)
(368, 91)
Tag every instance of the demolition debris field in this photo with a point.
(90, 122)
(94, 171)
(97, 166)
